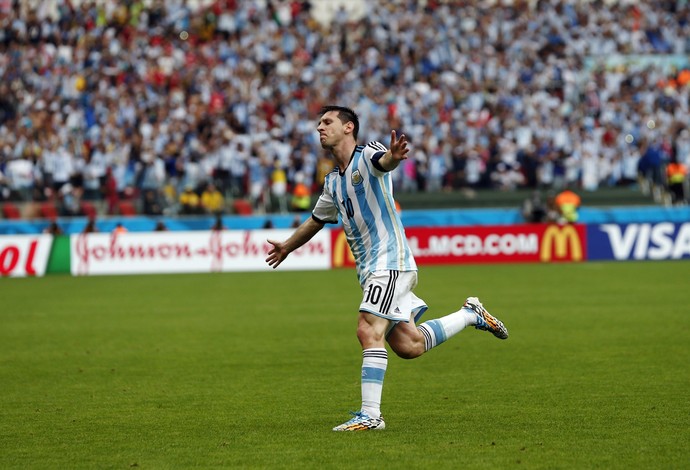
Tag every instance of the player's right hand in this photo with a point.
(277, 254)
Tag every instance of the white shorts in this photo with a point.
(388, 294)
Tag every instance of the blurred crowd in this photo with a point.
(153, 101)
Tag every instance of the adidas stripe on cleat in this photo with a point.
(362, 422)
(486, 321)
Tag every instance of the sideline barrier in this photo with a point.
(189, 252)
(24, 255)
(620, 242)
(493, 244)
(246, 250)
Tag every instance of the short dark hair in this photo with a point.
(345, 115)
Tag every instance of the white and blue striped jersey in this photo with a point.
(363, 196)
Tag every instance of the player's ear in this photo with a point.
(349, 127)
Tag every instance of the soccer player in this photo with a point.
(359, 191)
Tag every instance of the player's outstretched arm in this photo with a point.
(302, 235)
(397, 152)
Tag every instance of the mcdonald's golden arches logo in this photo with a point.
(557, 241)
(342, 255)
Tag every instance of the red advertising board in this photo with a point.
(484, 244)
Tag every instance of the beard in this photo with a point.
(326, 146)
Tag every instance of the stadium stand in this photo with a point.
(125, 98)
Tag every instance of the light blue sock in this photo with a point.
(439, 330)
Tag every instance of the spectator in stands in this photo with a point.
(534, 209)
(568, 204)
(4, 190)
(152, 203)
(92, 179)
(238, 165)
(112, 197)
(676, 177)
(53, 228)
(257, 173)
(301, 198)
(95, 172)
(189, 201)
(212, 201)
(279, 185)
(19, 175)
(150, 181)
(90, 227)
(650, 168)
(553, 212)
(63, 166)
(218, 223)
(70, 200)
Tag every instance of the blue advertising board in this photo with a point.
(647, 241)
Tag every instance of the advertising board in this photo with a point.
(659, 241)
(484, 244)
(189, 252)
(24, 255)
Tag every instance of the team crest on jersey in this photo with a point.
(356, 178)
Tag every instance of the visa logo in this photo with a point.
(649, 241)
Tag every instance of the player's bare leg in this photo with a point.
(371, 330)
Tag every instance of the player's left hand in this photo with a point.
(398, 146)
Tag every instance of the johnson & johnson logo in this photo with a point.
(214, 246)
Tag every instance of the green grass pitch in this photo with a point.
(253, 370)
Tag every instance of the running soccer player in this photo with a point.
(359, 190)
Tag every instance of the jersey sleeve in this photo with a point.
(325, 210)
(372, 153)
